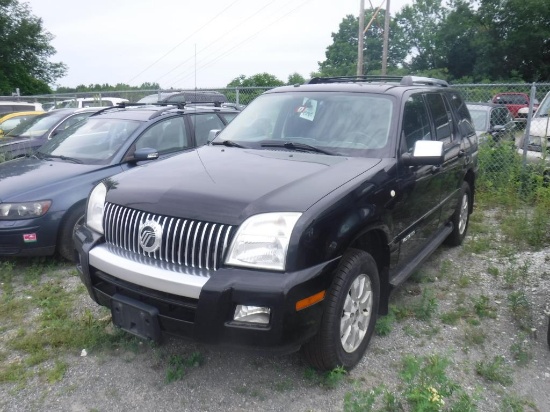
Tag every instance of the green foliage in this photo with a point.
(25, 48)
(495, 370)
(330, 379)
(178, 366)
(427, 306)
(341, 55)
(521, 309)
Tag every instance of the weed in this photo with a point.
(454, 316)
(426, 307)
(493, 271)
(178, 366)
(521, 309)
(330, 379)
(57, 372)
(483, 308)
(521, 350)
(384, 325)
(361, 401)
(474, 336)
(495, 370)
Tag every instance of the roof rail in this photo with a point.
(402, 80)
(425, 81)
(354, 79)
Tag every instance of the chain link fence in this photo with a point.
(513, 133)
(512, 122)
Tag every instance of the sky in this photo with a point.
(188, 44)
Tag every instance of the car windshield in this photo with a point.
(544, 108)
(350, 124)
(95, 141)
(479, 117)
(37, 125)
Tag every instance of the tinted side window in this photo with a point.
(500, 116)
(416, 122)
(203, 124)
(465, 124)
(166, 136)
(441, 118)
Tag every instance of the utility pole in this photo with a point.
(386, 38)
(360, 35)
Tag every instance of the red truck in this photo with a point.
(515, 102)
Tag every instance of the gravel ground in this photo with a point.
(134, 379)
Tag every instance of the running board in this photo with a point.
(408, 269)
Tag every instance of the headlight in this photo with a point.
(96, 205)
(25, 210)
(262, 241)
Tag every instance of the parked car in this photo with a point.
(293, 226)
(198, 96)
(82, 102)
(33, 133)
(514, 102)
(43, 196)
(538, 139)
(9, 121)
(9, 107)
(492, 120)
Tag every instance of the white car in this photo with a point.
(82, 102)
(538, 137)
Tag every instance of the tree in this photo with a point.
(341, 55)
(24, 51)
(295, 78)
(257, 80)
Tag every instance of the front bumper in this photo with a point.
(200, 304)
(29, 237)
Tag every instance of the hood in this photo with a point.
(226, 185)
(540, 126)
(30, 178)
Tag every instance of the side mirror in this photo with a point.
(425, 152)
(212, 134)
(145, 153)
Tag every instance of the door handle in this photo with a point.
(436, 169)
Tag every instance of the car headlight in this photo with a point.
(95, 208)
(24, 210)
(262, 241)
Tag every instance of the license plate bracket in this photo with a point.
(135, 317)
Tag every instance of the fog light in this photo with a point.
(252, 314)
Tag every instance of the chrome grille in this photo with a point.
(184, 242)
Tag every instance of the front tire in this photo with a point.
(73, 221)
(461, 217)
(349, 316)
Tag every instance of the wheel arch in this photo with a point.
(375, 242)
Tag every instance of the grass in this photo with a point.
(495, 370)
(179, 366)
(425, 386)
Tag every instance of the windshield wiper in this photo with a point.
(228, 143)
(66, 158)
(297, 146)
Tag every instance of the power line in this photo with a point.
(207, 64)
(183, 41)
(216, 41)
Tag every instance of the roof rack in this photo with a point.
(354, 79)
(402, 80)
(426, 81)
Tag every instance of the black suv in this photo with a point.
(293, 226)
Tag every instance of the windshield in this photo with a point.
(544, 108)
(350, 124)
(95, 141)
(479, 117)
(38, 125)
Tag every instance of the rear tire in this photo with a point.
(73, 221)
(350, 310)
(461, 217)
